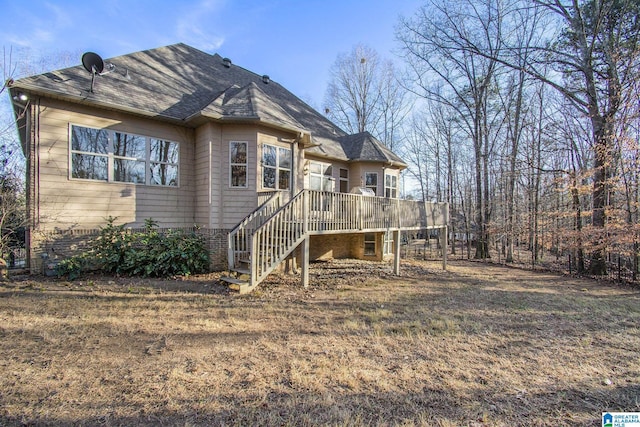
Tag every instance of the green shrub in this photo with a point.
(149, 253)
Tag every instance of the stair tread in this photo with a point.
(241, 270)
(233, 280)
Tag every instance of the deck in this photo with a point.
(274, 230)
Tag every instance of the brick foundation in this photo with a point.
(49, 246)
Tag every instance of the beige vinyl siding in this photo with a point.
(236, 203)
(358, 173)
(67, 203)
(335, 170)
(208, 175)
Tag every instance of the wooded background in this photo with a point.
(522, 114)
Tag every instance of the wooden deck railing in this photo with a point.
(239, 244)
(341, 212)
(267, 236)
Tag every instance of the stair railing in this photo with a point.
(239, 242)
(277, 237)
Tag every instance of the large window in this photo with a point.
(276, 167)
(129, 158)
(321, 176)
(320, 179)
(89, 153)
(371, 181)
(164, 162)
(238, 164)
(391, 186)
(106, 155)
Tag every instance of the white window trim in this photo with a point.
(277, 167)
(392, 176)
(377, 181)
(322, 176)
(245, 164)
(110, 156)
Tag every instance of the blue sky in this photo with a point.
(293, 41)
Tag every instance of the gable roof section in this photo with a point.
(365, 147)
(179, 83)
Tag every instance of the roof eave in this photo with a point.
(303, 134)
(33, 90)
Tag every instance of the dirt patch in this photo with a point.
(475, 345)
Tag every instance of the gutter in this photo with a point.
(86, 100)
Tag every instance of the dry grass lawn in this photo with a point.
(477, 345)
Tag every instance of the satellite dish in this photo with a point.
(92, 63)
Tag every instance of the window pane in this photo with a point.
(315, 167)
(164, 151)
(133, 146)
(344, 173)
(129, 171)
(268, 177)
(315, 183)
(327, 184)
(268, 155)
(238, 152)
(283, 179)
(87, 166)
(238, 176)
(328, 170)
(369, 244)
(89, 140)
(387, 180)
(284, 158)
(163, 174)
(371, 179)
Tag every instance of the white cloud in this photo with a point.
(61, 18)
(195, 27)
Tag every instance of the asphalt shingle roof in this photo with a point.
(182, 84)
(365, 147)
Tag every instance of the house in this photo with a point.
(191, 139)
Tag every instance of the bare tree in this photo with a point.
(393, 106)
(364, 95)
(12, 202)
(436, 51)
(597, 62)
(354, 90)
(12, 160)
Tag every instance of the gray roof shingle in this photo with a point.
(182, 84)
(365, 147)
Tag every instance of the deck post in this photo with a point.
(305, 212)
(396, 252)
(304, 255)
(253, 262)
(443, 244)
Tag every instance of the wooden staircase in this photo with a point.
(263, 240)
(267, 236)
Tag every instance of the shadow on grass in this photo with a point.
(575, 406)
